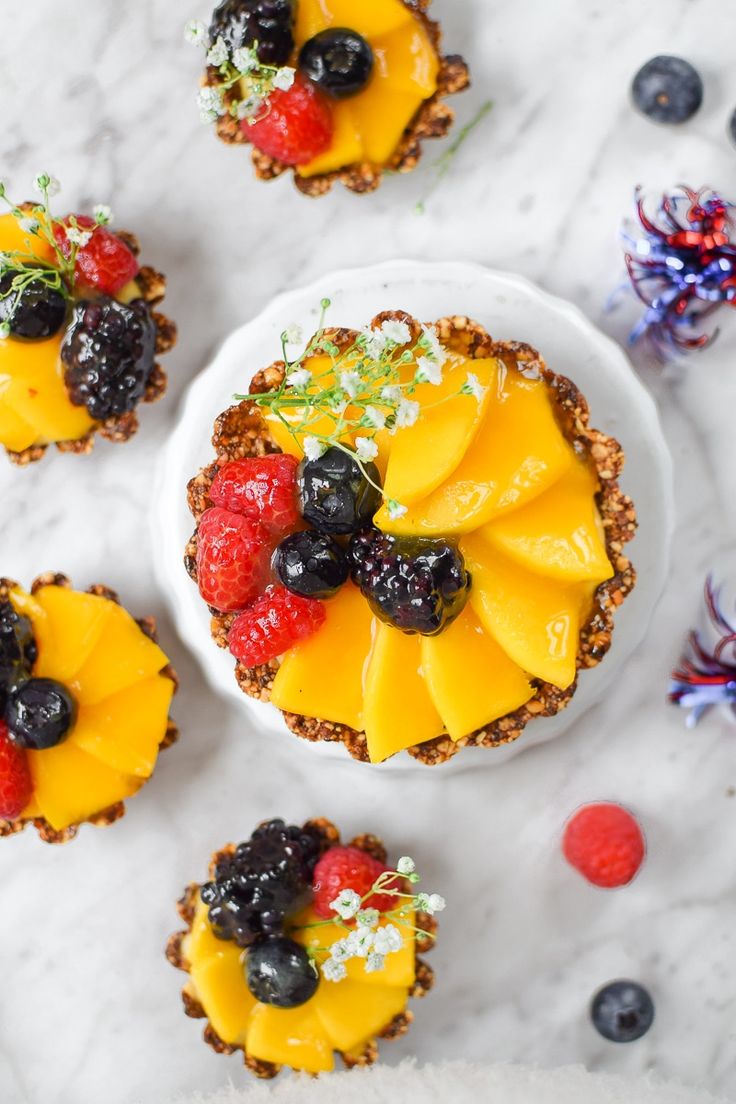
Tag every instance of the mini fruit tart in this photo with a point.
(78, 332)
(298, 947)
(84, 706)
(332, 89)
(411, 538)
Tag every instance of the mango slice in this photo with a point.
(201, 944)
(406, 60)
(71, 786)
(69, 631)
(323, 676)
(381, 115)
(352, 1013)
(399, 969)
(15, 433)
(290, 1037)
(223, 991)
(380, 17)
(346, 147)
(32, 387)
(14, 239)
(536, 620)
(559, 533)
(123, 655)
(471, 680)
(397, 710)
(125, 730)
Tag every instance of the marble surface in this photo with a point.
(101, 94)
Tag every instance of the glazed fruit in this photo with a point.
(37, 311)
(311, 564)
(233, 559)
(297, 127)
(18, 649)
(274, 623)
(418, 586)
(261, 487)
(348, 868)
(605, 844)
(105, 262)
(247, 22)
(622, 1011)
(280, 972)
(334, 494)
(337, 60)
(16, 784)
(668, 89)
(40, 713)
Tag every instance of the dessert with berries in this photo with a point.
(84, 706)
(298, 948)
(411, 538)
(79, 334)
(334, 90)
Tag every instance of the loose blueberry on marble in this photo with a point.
(667, 89)
(622, 1011)
(279, 972)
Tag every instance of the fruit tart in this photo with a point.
(411, 538)
(335, 90)
(299, 947)
(78, 332)
(84, 706)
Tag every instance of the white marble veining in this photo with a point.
(101, 94)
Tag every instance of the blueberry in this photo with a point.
(622, 1011)
(17, 645)
(38, 311)
(334, 494)
(311, 564)
(39, 713)
(338, 61)
(668, 89)
(279, 972)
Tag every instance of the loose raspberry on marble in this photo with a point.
(16, 784)
(273, 624)
(105, 262)
(261, 487)
(605, 844)
(297, 127)
(343, 868)
(233, 559)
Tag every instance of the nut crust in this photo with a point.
(107, 816)
(241, 431)
(398, 1026)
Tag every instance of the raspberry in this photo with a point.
(275, 622)
(233, 559)
(16, 785)
(261, 487)
(297, 126)
(348, 868)
(105, 262)
(605, 844)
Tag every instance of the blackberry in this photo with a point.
(334, 494)
(18, 649)
(338, 61)
(39, 713)
(279, 972)
(108, 355)
(667, 89)
(245, 22)
(37, 311)
(622, 1011)
(415, 584)
(263, 881)
(311, 564)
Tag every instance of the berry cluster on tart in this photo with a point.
(85, 692)
(442, 562)
(332, 89)
(79, 334)
(298, 947)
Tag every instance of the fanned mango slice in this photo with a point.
(201, 944)
(32, 387)
(471, 680)
(382, 114)
(290, 1037)
(346, 147)
(69, 631)
(536, 620)
(369, 19)
(397, 710)
(32, 809)
(424, 455)
(399, 968)
(323, 676)
(125, 730)
(559, 533)
(14, 239)
(407, 60)
(123, 655)
(15, 433)
(71, 786)
(224, 994)
(352, 1013)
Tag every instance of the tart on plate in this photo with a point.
(335, 90)
(84, 706)
(298, 948)
(411, 538)
(78, 330)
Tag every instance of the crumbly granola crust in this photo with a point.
(107, 816)
(121, 428)
(432, 120)
(398, 1026)
(241, 431)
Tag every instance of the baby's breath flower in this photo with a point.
(44, 183)
(373, 341)
(194, 32)
(293, 334)
(314, 448)
(103, 214)
(396, 332)
(428, 371)
(4, 330)
(374, 962)
(395, 509)
(77, 237)
(391, 394)
(431, 343)
(436, 903)
(406, 865)
(29, 225)
(388, 939)
(245, 59)
(361, 941)
(333, 971)
(366, 448)
(342, 950)
(368, 918)
(249, 107)
(422, 902)
(407, 413)
(298, 378)
(474, 387)
(350, 383)
(373, 417)
(340, 407)
(346, 904)
(210, 104)
(218, 52)
(284, 78)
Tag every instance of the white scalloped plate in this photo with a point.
(510, 308)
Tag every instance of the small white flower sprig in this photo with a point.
(241, 74)
(37, 221)
(365, 392)
(368, 939)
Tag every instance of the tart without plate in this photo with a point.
(301, 1016)
(520, 486)
(85, 694)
